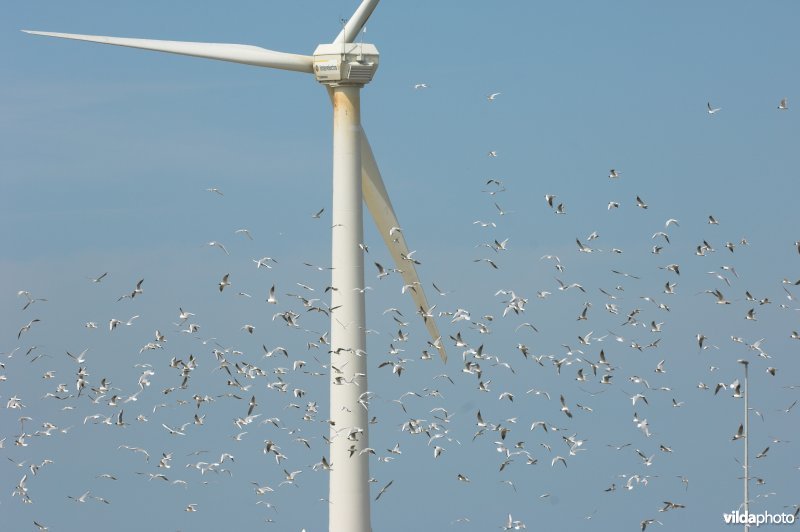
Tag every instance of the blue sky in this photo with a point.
(108, 153)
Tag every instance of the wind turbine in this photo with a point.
(343, 67)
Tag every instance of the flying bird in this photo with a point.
(648, 522)
(383, 490)
(136, 291)
(489, 261)
(565, 409)
(671, 506)
(501, 211)
(176, 432)
(98, 279)
(81, 358)
(382, 272)
(245, 232)
(264, 261)
(221, 246)
(27, 327)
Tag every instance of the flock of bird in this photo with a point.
(188, 401)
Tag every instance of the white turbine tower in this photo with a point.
(344, 68)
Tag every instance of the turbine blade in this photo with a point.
(236, 53)
(380, 207)
(357, 21)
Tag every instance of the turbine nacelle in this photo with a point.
(345, 63)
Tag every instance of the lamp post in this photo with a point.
(745, 363)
